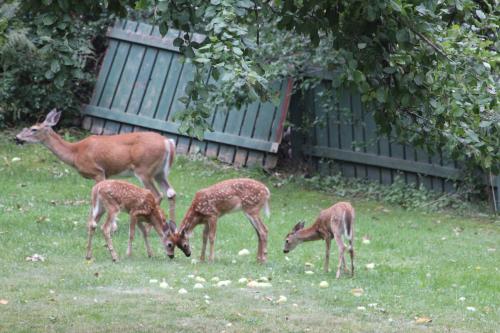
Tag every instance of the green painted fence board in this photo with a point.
(384, 161)
(171, 127)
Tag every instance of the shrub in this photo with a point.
(46, 61)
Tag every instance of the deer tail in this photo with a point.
(267, 211)
(347, 218)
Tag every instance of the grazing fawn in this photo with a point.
(113, 196)
(147, 154)
(210, 203)
(333, 222)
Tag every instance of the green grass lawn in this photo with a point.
(439, 266)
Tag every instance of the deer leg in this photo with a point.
(106, 230)
(146, 241)
(341, 247)
(95, 216)
(212, 229)
(351, 254)
(131, 234)
(169, 192)
(148, 183)
(328, 242)
(204, 245)
(261, 230)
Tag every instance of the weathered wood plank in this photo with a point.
(111, 90)
(169, 88)
(255, 158)
(322, 129)
(278, 125)
(218, 122)
(158, 42)
(371, 143)
(96, 125)
(359, 133)
(409, 155)
(423, 157)
(346, 132)
(135, 77)
(169, 127)
(383, 161)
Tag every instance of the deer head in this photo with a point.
(292, 239)
(173, 238)
(39, 132)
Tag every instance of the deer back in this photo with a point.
(230, 195)
(117, 153)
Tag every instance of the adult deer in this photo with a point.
(331, 223)
(212, 202)
(113, 196)
(147, 154)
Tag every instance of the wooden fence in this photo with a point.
(141, 78)
(143, 75)
(344, 139)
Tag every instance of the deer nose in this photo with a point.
(18, 141)
(285, 251)
(171, 256)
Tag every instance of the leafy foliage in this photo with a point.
(426, 70)
(47, 60)
(399, 193)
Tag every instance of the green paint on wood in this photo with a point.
(170, 127)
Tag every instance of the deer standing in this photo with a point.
(331, 223)
(210, 203)
(113, 196)
(147, 154)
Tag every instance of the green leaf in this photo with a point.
(361, 46)
(178, 42)
(395, 5)
(245, 4)
(485, 123)
(358, 76)
(163, 28)
(480, 14)
(419, 79)
(49, 75)
(402, 36)
(49, 19)
(380, 95)
(188, 52)
(54, 66)
(141, 4)
(183, 100)
(215, 74)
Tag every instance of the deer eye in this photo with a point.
(34, 129)
(286, 241)
(169, 245)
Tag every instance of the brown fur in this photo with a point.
(331, 223)
(210, 203)
(113, 196)
(147, 154)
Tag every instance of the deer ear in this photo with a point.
(299, 226)
(52, 118)
(172, 226)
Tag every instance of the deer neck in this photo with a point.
(64, 150)
(308, 234)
